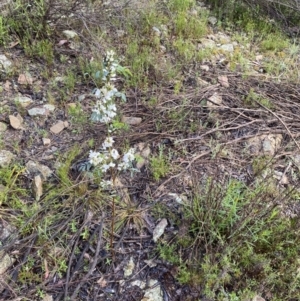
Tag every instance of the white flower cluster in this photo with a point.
(110, 66)
(105, 109)
(109, 157)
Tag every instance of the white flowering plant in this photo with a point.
(105, 111)
(108, 158)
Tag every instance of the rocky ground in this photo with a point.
(225, 115)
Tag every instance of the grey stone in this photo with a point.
(207, 43)
(23, 101)
(3, 127)
(35, 168)
(49, 107)
(5, 63)
(159, 229)
(81, 97)
(70, 34)
(5, 158)
(5, 262)
(129, 267)
(154, 292)
(156, 31)
(227, 47)
(37, 111)
(37, 187)
(212, 20)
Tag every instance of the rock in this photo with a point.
(154, 292)
(129, 268)
(223, 80)
(151, 263)
(37, 187)
(204, 67)
(296, 160)
(164, 29)
(46, 141)
(120, 33)
(70, 34)
(5, 63)
(138, 283)
(159, 229)
(49, 107)
(143, 153)
(227, 47)
(271, 144)
(265, 144)
(59, 79)
(7, 86)
(254, 145)
(5, 157)
(131, 120)
(259, 57)
(223, 38)
(25, 79)
(215, 100)
(16, 121)
(207, 43)
(163, 49)
(3, 127)
(47, 297)
(37, 168)
(59, 126)
(194, 12)
(180, 199)
(23, 101)
(201, 82)
(81, 97)
(38, 111)
(278, 175)
(5, 262)
(212, 20)
(6, 230)
(156, 31)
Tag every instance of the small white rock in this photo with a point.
(23, 101)
(215, 100)
(5, 63)
(159, 229)
(131, 120)
(156, 31)
(49, 107)
(34, 168)
(37, 187)
(129, 268)
(70, 34)
(212, 20)
(46, 141)
(204, 67)
(5, 158)
(37, 111)
(227, 47)
(154, 293)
